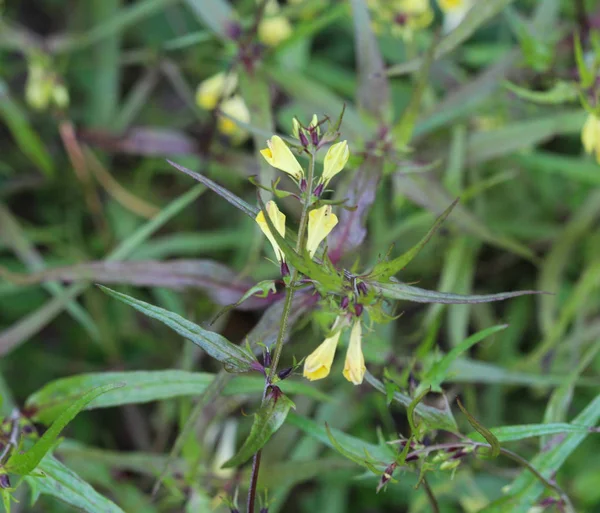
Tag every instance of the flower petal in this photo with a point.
(318, 364)
(280, 156)
(335, 160)
(320, 222)
(278, 220)
(354, 366)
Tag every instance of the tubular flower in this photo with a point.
(320, 222)
(278, 220)
(454, 12)
(354, 366)
(318, 363)
(274, 30)
(221, 85)
(280, 156)
(590, 136)
(335, 160)
(237, 109)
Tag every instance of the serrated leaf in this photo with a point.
(515, 433)
(385, 270)
(140, 387)
(561, 92)
(234, 358)
(26, 462)
(269, 418)
(438, 372)
(64, 484)
(236, 201)
(398, 290)
(482, 430)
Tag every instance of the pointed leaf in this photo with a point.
(234, 358)
(561, 92)
(261, 290)
(482, 430)
(398, 290)
(269, 418)
(236, 201)
(24, 463)
(385, 270)
(64, 484)
(515, 433)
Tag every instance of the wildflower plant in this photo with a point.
(321, 350)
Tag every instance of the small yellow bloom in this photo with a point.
(278, 220)
(320, 222)
(237, 109)
(590, 135)
(221, 85)
(318, 363)
(335, 160)
(280, 156)
(354, 366)
(273, 31)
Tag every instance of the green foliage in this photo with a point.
(109, 122)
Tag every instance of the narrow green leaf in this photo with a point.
(515, 433)
(436, 418)
(236, 201)
(234, 358)
(398, 290)
(410, 412)
(362, 461)
(144, 386)
(25, 136)
(359, 448)
(24, 463)
(561, 92)
(385, 270)
(482, 430)
(261, 289)
(525, 491)
(269, 418)
(438, 372)
(58, 481)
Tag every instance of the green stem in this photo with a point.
(287, 306)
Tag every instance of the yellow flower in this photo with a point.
(237, 109)
(318, 364)
(335, 160)
(273, 31)
(590, 135)
(454, 12)
(278, 220)
(320, 222)
(221, 85)
(354, 366)
(280, 156)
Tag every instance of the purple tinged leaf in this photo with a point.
(217, 280)
(398, 290)
(351, 231)
(146, 141)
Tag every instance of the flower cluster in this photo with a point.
(44, 88)
(220, 90)
(321, 220)
(403, 18)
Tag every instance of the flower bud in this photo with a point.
(345, 302)
(285, 270)
(318, 190)
(358, 309)
(4, 481)
(362, 288)
(267, 358)
(303, 139)
(285, 373)
(314, 136)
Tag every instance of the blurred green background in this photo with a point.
(95, 95)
